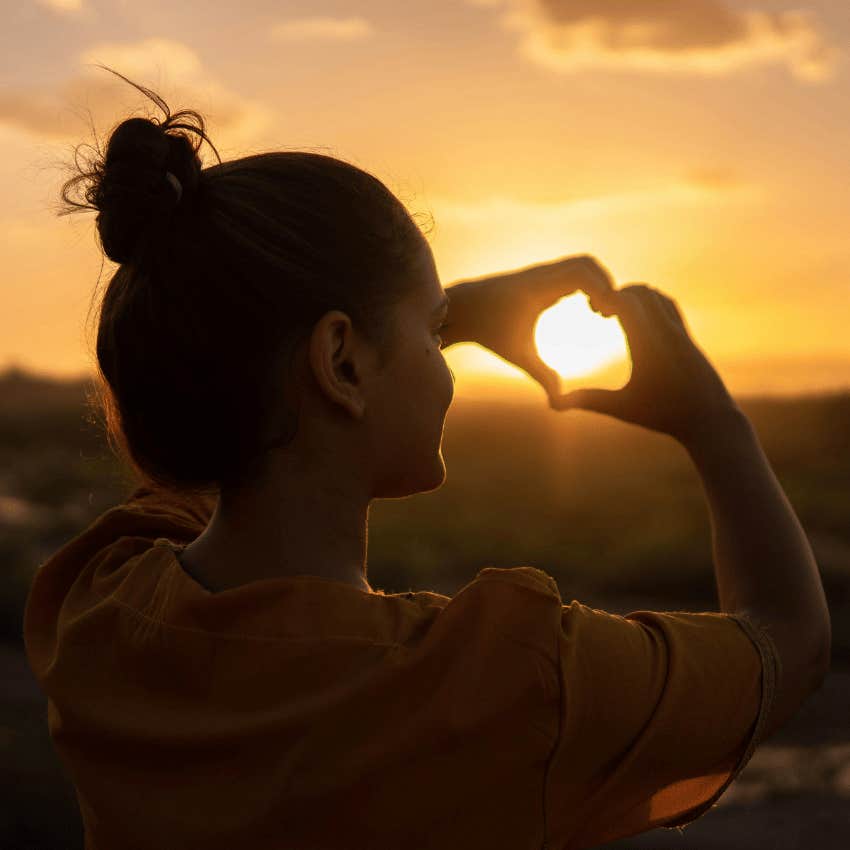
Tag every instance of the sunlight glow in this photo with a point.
(573, 339)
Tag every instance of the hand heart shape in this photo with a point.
(507, 307)
(582, 344)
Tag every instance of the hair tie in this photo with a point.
(175, 183)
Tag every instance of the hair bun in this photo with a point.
(128, 186)
(134, 199)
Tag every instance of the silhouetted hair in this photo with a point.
(219, 283)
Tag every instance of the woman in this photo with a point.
(219, 671)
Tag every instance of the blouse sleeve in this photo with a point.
(659, 714)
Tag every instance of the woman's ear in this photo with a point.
(338, 360)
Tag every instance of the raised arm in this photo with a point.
(763, 562)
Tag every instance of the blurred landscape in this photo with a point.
(615, 513)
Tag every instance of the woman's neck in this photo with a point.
(311, 527)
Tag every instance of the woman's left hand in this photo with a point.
(500, 312)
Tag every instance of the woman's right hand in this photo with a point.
(673, 388)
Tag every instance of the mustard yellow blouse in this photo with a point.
(304, 713)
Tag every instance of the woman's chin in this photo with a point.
(424, 482)
(438, 479)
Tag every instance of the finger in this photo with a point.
(609, 402)
(658, 311)
(673, 311)
(547, 377)
(668, 317)
(602, 303)
(628, 305)
(658, 306)
(571, 274)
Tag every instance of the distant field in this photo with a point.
(607, 509)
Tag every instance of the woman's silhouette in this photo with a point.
(220, 672)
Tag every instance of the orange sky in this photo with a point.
(703, 150)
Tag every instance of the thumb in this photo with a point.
(608, 402)
(548, 378)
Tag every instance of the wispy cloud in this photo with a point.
(699, 186)
(322, 29)
(146, 57)
(715, 179)
(707, 37)
(64, 6)
(169, 67)
(502, 231)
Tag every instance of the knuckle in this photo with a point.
(670, 301)
(592, 263)
(631, 293)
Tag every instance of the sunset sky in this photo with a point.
(700, 146)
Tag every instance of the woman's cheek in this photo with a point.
(449, 377)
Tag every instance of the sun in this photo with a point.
(575, 341)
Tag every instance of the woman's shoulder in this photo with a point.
(490, 584)
(528, 577)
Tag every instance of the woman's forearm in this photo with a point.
(763, 561)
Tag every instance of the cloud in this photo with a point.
(706, 37)
(322, 29)
(169, 67)
(64, 6)
(37, 111)
(716, 179)
(146, 57)
(693, 190)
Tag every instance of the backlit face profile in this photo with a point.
(382, 426)
(413, 395)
